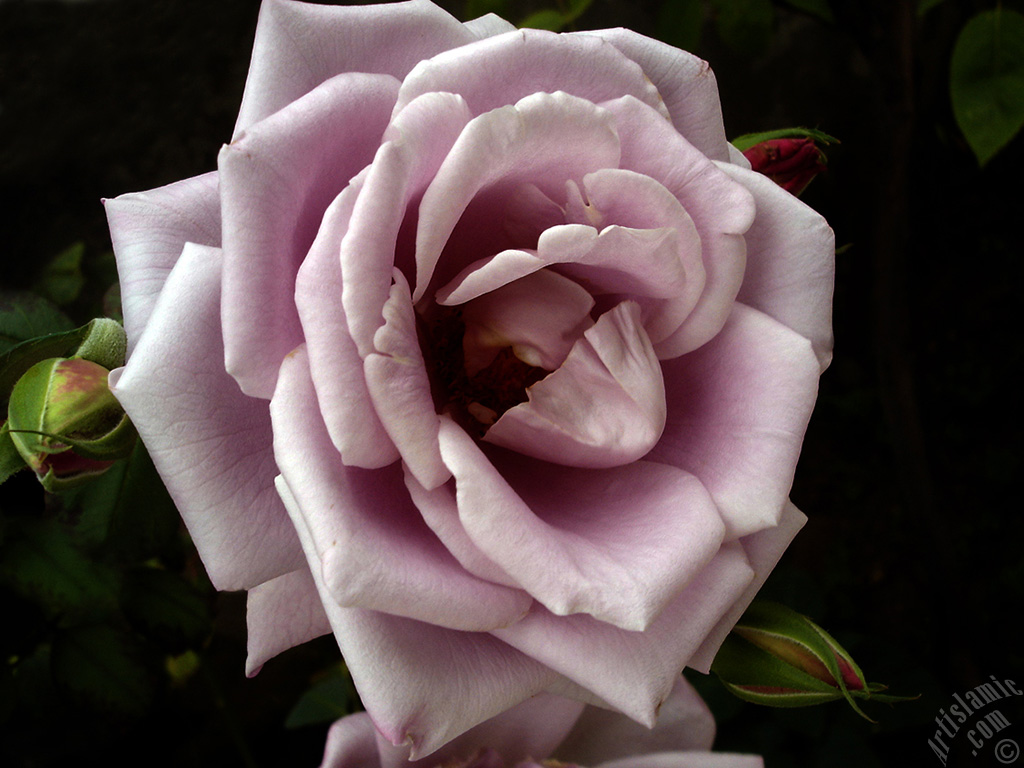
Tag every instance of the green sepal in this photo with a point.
(11, 460)
(747, 140)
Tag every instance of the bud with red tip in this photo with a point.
(791, 163)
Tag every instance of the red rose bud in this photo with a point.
(65, 423)
(778, 657)
(790, 163)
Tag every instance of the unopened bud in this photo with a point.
(791, 163)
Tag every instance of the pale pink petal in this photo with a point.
(763, 549)
(423, 685)
(300, 45)
(540, 316)
(543, 62)
(352, 743)
(488, 25)
(721, 209)
(396, 377)
(371, 545)
(506, 148)
(530, 729)
(616, 544)
(604, 407)
(281, 614)
(687, 760)
(416, 143)
(684, 723)
(441, 512)
(737, 411)
(277, 180)
(211, 444)
(334, 361)
(148, 231)
(686, 84)
(635, 671)
(790, 262)
(738, 158)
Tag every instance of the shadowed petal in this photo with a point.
(371, 545)
(277, 180)
(352, 743)
(211, 444)
(148, 231)
(280, 614)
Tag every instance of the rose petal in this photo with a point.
(684, 723)
(686, 84)
(276, 180)
(280, 614)
(148, 231)
(372, 547)
(488, 25)
(416, 143)
(634, 671)
(539, 316)
(411, 675)
(763, 549)
(334, 361)
(617, 544)
(721, 209)
(396, 377)
(508, 147)
(352, 743)
(687, 760)
(543, 62)
(790, 262)
(211, 444)
(300, 45)
(737, 411)
(604, 407)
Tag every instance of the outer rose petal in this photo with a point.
(276, 180)
(210, 443)
(300, 45)
(737, 411)
(687, 760)
(148, 231)
(412, 676)
(372, 547)
(684, 723)
(280, 614)
(790, 262)
(352, 743)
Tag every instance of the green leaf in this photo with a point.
(61, 281)
(549, 19)
(817, 8)
(166, 608)
(102, 667)
(11, 460)
(987, 81)
(747, 140)
(680, 23)
(25, 316)
(923, 6)
(39, 561)
(744, 25)
(331, 698)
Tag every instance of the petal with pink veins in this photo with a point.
(396, 377)
(790, 262)
(617, 544)
(372, 546)
(635, 671)
(211, 444)
(334, 361)
(300, 45)
(422, 685)
(737, 411)
(148, 231)
(604, 407)
(277, 180)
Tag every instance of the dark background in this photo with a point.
(910, 471)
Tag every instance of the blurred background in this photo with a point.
(910, 472)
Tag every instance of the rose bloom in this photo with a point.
(549, 731)
(482, 349)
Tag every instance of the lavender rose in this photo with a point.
(553, 732)
(539, 350)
